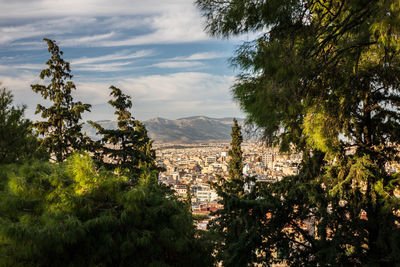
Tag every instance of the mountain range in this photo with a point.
(196, 129)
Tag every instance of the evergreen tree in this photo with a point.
(324, 77)
(61, 129)
(128, 147)
(236, 181)
(228, 227)
(189, 198)
(147, 156)
(17, 142)
(73, 214)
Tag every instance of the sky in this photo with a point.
(156, 51)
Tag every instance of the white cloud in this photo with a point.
(20, 83)
(123, 55)
(105, 63)
(8, 68)
(110, 62)
(191, 61)
(42, 28)
(56, 8)
(173, 95)
(178, 86)
(103, 67)
(86, 40)
(181, 94)
(203, 56)
(104, 23)
(172, 21)
(179, 64)
(12, 33)
(180, 26)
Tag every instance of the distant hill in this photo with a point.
(197, 129)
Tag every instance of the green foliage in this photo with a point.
(323, 77)
(17, 142)
(315, 56)
(227, 229)
(128, 147)
(76, 213)
(320, 133)
(61, 129)
(73, 214)
(236, 161)
(189, 198)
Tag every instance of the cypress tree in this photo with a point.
(189, 198)
(61, 130)
(236, 181)
(229, 225)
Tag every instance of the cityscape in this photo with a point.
(195, 166)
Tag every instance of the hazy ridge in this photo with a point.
(196, 129)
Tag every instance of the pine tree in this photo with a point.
(128, 147)
(61, 129)
(74, 214)
(17, 141)
(144, 145)
(322, 77)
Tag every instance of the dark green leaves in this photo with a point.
(61, 130)
(72, 214)
(322, 76)
(128, 147)
(17, 141)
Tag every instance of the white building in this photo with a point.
(268, 160)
